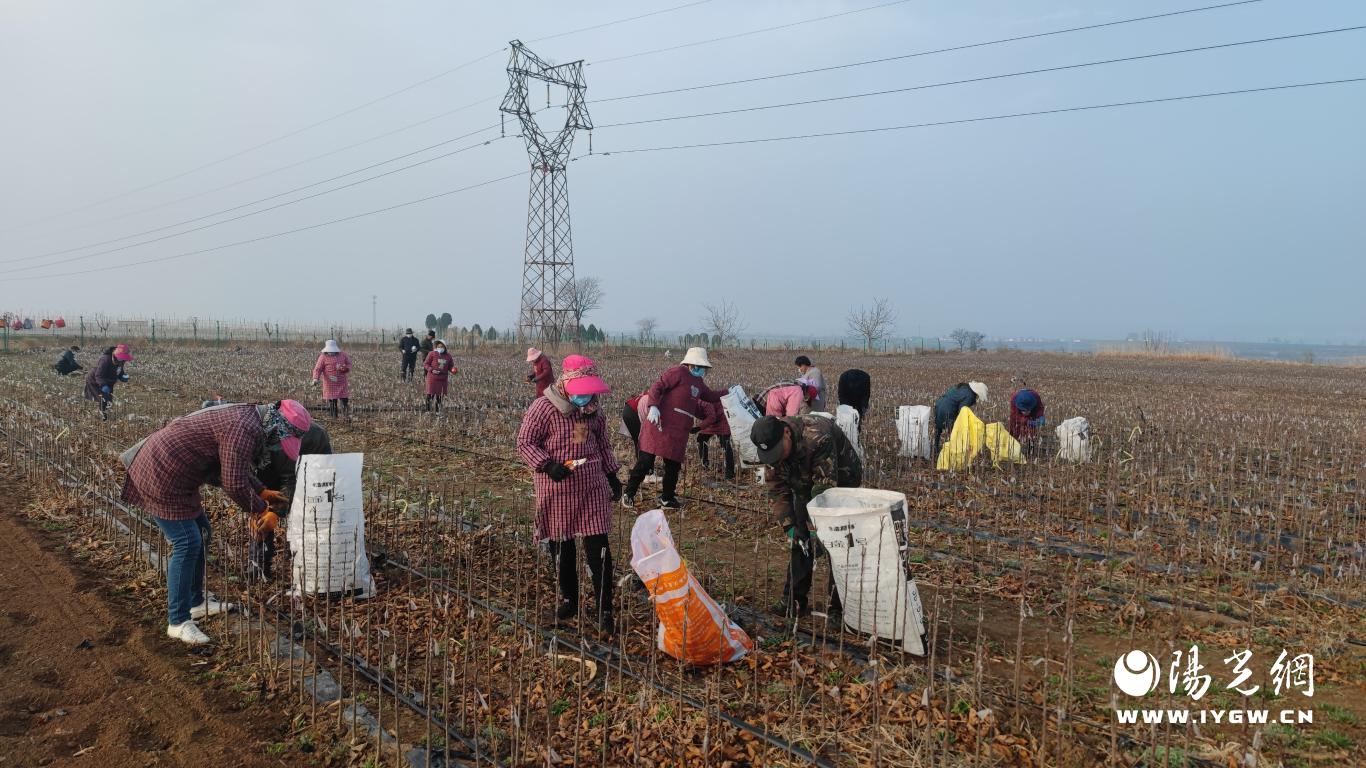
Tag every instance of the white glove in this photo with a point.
(315, 382)
(653, 416)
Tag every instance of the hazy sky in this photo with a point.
(1235, 218)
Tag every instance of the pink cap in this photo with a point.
(577, 362)
(122, 352)
(586, 385)
(532, 353)
(298, 417)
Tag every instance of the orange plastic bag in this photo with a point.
(692, 627)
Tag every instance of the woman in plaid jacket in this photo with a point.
(563, 438)
(333, 370)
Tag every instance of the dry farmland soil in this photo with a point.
(1222, 510)
(87, 681)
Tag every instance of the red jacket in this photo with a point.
(1022, 425)
(677, 394)
(543, 374)
(713, 419)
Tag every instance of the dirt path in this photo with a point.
(131, 699)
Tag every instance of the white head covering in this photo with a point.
(331, 346)
(697, 356)
(979, 389)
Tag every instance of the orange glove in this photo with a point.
(274, 498)
(263, 525)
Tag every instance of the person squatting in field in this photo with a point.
(542, 372)
(812, 376)
(955, 399)
(712, 422)
(563, 439)
(1026, 415)
(108, 372)
(408, 347)
(807, 455)
(673, 405)
(66, 364)
(333, 370)
(228, 445)
(437, 370)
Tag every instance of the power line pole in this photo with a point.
(548, 262)
(374, 303)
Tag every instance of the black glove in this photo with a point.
(615, 482)
(530, 377)
(555, 470)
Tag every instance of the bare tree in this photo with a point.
(872, 324)
(722, 323)
(969, 341)
(585, 295)
(646, 327)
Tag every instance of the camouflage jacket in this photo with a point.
(822, 457)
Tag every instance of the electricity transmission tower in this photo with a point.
(548, 263)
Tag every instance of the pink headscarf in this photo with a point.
(579, 376)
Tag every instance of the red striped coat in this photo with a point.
(332, 371)
(581, 504)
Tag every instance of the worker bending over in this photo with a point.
(166, 471)
(806, 455)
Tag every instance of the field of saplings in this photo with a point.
(1217, 529)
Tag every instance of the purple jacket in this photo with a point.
(676, 394)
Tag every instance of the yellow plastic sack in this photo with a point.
(965, 442)
(1002, 445)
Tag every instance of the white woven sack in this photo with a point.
(326, 530)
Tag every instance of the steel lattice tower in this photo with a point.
(548, 271)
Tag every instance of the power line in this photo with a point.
(986, 118)
(747, 34)
(339, 115)
(264, 199)
(294, 164)
(618, 21)
(932, 52)
(518, 175)
(271, 141)
(985, 78)
(267, 209)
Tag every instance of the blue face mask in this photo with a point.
(580, 400)
(697, 370)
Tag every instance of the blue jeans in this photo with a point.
(185, 572)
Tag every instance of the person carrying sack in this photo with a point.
(806, 455)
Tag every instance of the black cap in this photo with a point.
(410, 330)
(767, 436)
(802, 360)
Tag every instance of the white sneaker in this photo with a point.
(211, 606)
(187, 632)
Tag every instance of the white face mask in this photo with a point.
(440, 350)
